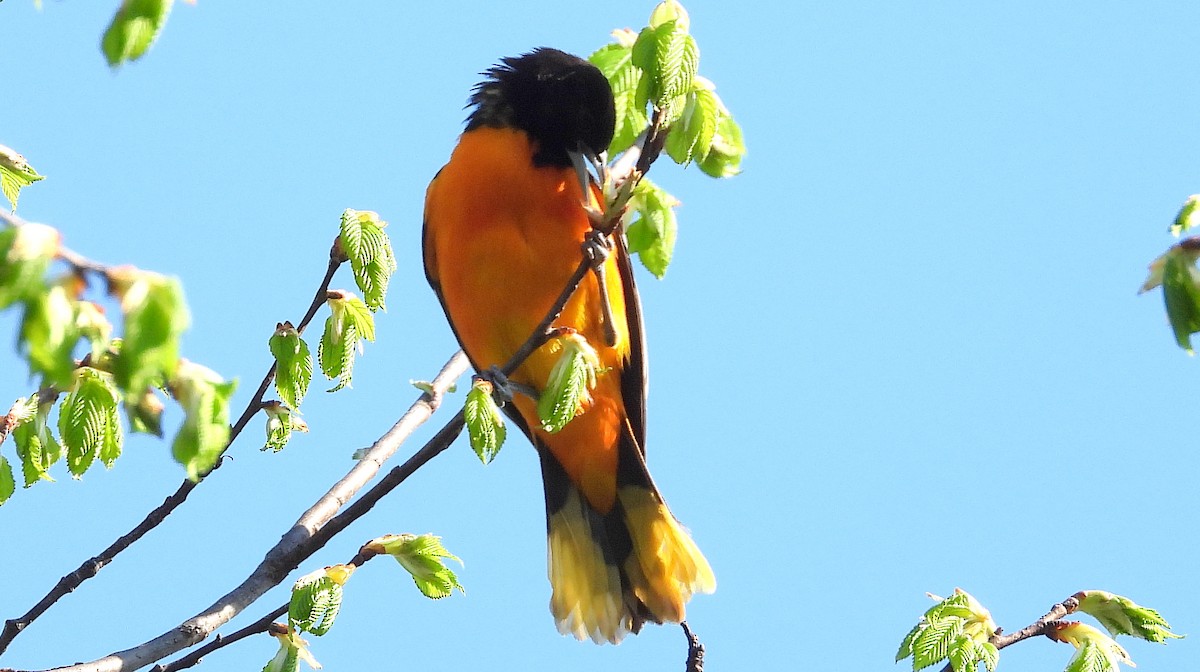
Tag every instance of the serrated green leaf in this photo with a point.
(317, 598)
(1089, 658)
(485, 422)
(25, 254)
(1122, 616)
(963, 655)
(294, 364)
(49, 333)
(134, 28)
(1094, 650)
(724, 158)
(88, 421)
(8, 483)
(1182, 297)
(15, 175)
(616, 62)
(36, 445)
(422, 557)
(691, 137)
(156, 315)
(932, 645)
(669, 58)
(292, 649)
(204, 396)
(906, 644)
(651, 236)
(990, 655)
(370, 252)
(569, 388)
(1186, 218)
(281, 422)
(349, 322)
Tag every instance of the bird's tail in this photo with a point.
(611, 572)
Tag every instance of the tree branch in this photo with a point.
(92, 566)
(306, 537)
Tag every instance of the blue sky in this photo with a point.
(901, 353)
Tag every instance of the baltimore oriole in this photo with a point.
(504, 225)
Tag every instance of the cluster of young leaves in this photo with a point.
(364, 243)
(422, 555)
(317, 597)
(656, 69)
(957, 629)
(1176, 272)
(58, 324)
(15, 175)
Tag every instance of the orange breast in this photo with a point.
(505, 237)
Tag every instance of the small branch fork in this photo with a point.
(92, 566)
(322, 522)
(1041, 627)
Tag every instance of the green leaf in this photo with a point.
(25, 254)
(932, 646)
(956, 628)
(370, 252)
(1089, 658)
(906, 649)
(292, 649)
(8, 483)
(485, 422)
(669, 57)
(692, 135)
(990, 655)
(616, 62)
(204, 396)
(1094, 650)
(1181, 294)
(281, 422)
(293, 364)
(724, 158)
(349, 322)
(134, 28)
(15, 175)
(652, 234)
(49, 333)
(317, 598)
(568, 390)
(1122, 616)
(1187, 214)
(88, 421)
(36, 445)
(422, 557)
(156, 315)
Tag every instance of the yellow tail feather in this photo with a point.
(661, 574)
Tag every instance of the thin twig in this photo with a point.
(93, 565)
(695, 657)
